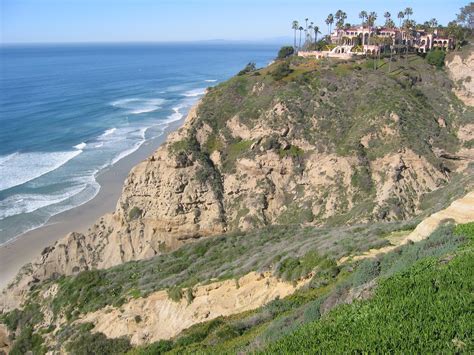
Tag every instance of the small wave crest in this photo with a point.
(136, 106)
(195, 92)
(19, 168)
(210, 80)
(80, 146)
(108, 132)
(176, 115)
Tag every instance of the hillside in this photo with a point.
(240, 219)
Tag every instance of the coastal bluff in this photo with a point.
(331, 146)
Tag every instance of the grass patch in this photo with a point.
(293, 152)
(432, 297)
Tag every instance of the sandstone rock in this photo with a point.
(461, 71)
(163, 318)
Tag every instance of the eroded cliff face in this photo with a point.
(461, 70)
(163, 318)
(255, 152)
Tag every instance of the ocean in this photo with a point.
(69, 111)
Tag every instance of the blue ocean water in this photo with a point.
(69, 111)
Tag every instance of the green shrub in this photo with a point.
(160, 347)
(367, 270)
(293, 151)
(250, 67)
(134, 213)
(291, 268)
(436, 57)
(27, 342)
(175, 293)
(285, 52)
(98, 343)
(189, 295)
(30, 315)
(281, 71)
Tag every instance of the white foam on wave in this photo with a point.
(80, 146)
(176, 115)
(195, 92)
(108, 132)
(136, 106)
(134, 148)
(19, 168)
(84, 190)
(27, 203)
(210, 80)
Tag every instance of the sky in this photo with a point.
(50, 21)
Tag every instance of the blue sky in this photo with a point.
(187, 20)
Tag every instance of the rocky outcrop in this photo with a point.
(156, 317)
(461, 70)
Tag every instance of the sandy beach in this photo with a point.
(28, 246)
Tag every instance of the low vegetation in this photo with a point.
(423, 308)
(219, 258)
(436, 57)
(285, 52)
(421, 288)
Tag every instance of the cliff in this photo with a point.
(461, 70)
(289, 168)
(329, 143)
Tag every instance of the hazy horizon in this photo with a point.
(165, 21)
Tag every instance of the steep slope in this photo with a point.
(461, 71)
(325, 143)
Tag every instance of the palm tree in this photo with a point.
(389, 23)
(329, 22)
(387, 16)
(295, 25)
(301, 30)
(309, 36)
(433, 23)
(408, 12)
(339, 23)
(342, 19)
(400, 16)
(371, 20)
(316, 31)
(407, 24)
(363, 16)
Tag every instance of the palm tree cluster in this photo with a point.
(311, 31)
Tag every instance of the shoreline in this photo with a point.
(28, 246)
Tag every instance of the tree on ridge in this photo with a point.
(295, 27)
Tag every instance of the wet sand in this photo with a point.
(28, 246)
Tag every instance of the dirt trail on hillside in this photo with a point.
(460, 211)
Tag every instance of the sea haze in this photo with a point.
(69, 111)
